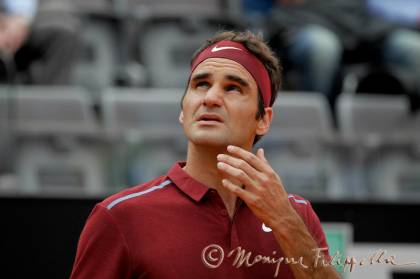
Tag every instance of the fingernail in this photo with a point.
(231, 148)
(220, 165)
(226, 184)
(220, 157)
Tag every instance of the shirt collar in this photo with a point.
(186, 183)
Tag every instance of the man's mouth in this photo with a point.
(210, 117)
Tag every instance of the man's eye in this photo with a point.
(202, 84)
(233, 88)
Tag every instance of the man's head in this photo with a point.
(234, 82)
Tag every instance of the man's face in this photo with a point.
(221, 104)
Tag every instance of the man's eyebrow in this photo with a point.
(238, 80)
(200, 76)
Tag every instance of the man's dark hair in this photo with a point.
(260, 49)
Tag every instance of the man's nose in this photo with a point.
(213, 97)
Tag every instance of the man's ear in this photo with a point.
(181, 117)
(264, 122)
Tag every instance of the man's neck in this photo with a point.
(202, 166)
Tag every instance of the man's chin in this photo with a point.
(212, 140)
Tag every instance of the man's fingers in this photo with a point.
(261, 154)
(237, 190)
(239, 174)
(239, 164)
(249, 157)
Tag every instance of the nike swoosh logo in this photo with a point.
(215, 48)
(265, 228)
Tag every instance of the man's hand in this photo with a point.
(265, 195)
(14, 31)
(263, 192)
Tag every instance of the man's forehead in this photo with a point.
(224, 66)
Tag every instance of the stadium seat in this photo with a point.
(166, 49)
(296, 145)
(6, 129)
(6, 94)
(55, 140)
(96, 26)
(374, 117)
(95, 7)
(168, 8)
(394, 173)
(169, 32)
(382, 139)
(97, 66)
(145, 112)
(146, 133)
(55, 167)
(300, 115)
(56, 11)
(46, 110)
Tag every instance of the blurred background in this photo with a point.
(90, 95)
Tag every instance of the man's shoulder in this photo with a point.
(131, 195)
(297, 200)
(302, 206)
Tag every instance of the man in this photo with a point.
(224, 201)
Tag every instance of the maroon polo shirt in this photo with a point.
(161, 229)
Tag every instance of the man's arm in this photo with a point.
(266, 197)
(294, 237)
(102, 251)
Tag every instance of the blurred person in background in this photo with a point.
(35, 49)
(315, 34)
(404, 12)
(401, 50)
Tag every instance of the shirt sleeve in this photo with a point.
(307, 213)
(315, 228)
(102, 252)
(24, 8)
